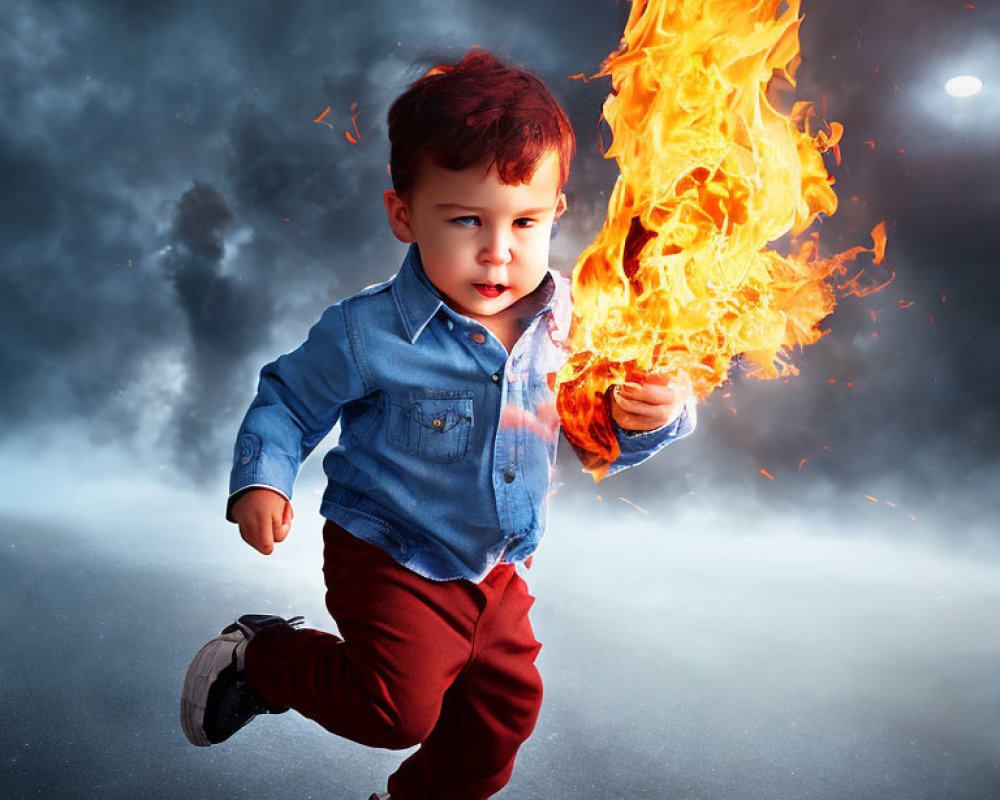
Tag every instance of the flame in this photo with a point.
(681, 278)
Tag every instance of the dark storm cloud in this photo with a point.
(131, 130)
(221, 317)
(133, 318)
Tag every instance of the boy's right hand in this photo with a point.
(264, 517)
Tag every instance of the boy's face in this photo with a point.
(483, 244)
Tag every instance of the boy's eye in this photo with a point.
(524, 222)
(467, 221)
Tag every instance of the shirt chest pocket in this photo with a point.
(432, 424)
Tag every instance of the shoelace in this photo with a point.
(292, 622)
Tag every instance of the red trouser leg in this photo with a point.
(448, 664)
(488, 711)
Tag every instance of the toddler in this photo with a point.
(439, 484)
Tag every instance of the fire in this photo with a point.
(681, 278)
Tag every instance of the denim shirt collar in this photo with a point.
(418, 300)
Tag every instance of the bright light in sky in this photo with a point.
(964, 86)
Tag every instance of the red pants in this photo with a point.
(447, 665)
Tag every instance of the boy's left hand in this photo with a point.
(658, 401)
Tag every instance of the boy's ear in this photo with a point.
(560, 205)
(399, 216)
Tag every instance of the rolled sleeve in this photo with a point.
(299, 399)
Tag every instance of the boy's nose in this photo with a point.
(496, 248)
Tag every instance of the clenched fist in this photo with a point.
(264, 517)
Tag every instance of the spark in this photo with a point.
(356, 136)
(767, 474)
(637, 508)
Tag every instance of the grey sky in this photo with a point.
(173, 217)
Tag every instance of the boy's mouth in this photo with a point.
(490, 289)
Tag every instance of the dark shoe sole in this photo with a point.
(212, 659)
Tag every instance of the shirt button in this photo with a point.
(496, 377)
(450, 324)
(509, 474)
(478, 338)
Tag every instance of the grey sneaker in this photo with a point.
(216, 700)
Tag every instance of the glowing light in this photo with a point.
(713, 167)
(964, 86)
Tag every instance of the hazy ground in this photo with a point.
(795, 657)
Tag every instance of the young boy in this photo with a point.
(439, 484)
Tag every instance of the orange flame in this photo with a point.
(681, 278)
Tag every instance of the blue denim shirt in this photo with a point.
(447, 441)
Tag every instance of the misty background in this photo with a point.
(172, 217)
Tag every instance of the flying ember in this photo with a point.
(681, 279)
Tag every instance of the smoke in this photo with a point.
(173, 218)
